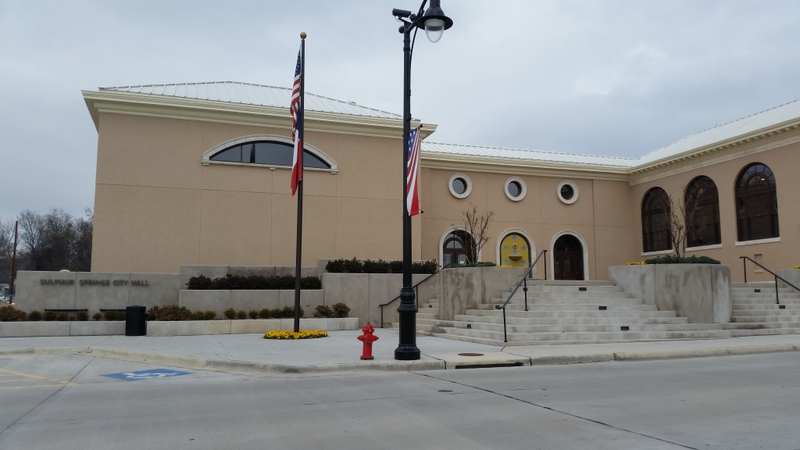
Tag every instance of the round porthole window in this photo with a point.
(516, 189)
(460, 186)
(567, 192)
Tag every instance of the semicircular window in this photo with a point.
(269, 153)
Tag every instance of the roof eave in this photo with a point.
(95, 99)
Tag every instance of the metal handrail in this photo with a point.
(776, 277)
(523, 282)
(416, 293)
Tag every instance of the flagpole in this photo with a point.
(299, 250)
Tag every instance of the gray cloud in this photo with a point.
(608, 77)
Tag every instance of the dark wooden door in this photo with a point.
(568, 258)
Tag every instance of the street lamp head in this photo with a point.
(435, 21)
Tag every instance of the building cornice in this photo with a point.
(240, 114)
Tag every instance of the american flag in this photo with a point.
(412, 174)
(297, 123)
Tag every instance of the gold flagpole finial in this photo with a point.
(302, 35)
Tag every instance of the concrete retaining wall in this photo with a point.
(700, 292)
(94, 291)
(170, 328)
(363, 292)
(248, 300)
(34, 329)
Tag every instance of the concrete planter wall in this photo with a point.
(790, 275)
(466, 288)
(248, 300)
(249, 326)
(363, 292)
(170, 328)
(34, 329)
(700, 292)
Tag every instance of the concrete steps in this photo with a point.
(756, 313)
(570, 312)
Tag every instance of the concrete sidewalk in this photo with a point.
(340, 351)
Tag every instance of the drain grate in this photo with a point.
(582, 289)
(781, 306)
(470, 354)
(625, 328)
(756, 290)
(602, 308)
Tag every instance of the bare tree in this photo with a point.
(31, 230)
(477, 225)
(6, 244)
(678, 220)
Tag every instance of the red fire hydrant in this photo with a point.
(367, 338)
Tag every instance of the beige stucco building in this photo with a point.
(195, 174)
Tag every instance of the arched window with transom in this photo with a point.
(656, 215)
(702, 213)
(267, 153)
(756, 203)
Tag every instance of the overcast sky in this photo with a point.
(599, 77)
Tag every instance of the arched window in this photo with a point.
(656, 215)
(515, 251)
(702, 213)
(270, 153)
(756, 203)
(458, 249)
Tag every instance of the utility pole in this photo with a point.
(14, 260)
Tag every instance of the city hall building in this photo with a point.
(198, 174)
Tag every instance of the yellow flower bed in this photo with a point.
(289, 334)
(797, 267)
(635, 262)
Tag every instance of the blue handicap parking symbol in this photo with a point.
(146, 374)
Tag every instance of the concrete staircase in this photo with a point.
(755, 311)
(567, 312)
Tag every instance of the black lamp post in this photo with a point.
(434, 22)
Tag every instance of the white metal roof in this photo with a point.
(754, 123)
(760, 121)
(433, 148)
(251, 94)
(265, 95)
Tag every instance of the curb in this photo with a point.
(652, 355)
(233, 365)
(432, 363)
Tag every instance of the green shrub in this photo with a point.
(672, 259)
(241, 314)
(49, 316)
(265, 314)
(62, 317)
(35, 316)
(116, 315)
(97, 316)
(323, 311)
(170, 313)
(253, 314)
(230, 313)
(255, 282)
(11, 314)
(209, 315)
(83, 316)
(341, 310)
(378, 266)
(201, 282)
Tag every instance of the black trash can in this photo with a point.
(135, 321)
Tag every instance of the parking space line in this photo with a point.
(27, 375)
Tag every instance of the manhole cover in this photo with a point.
(470, 354)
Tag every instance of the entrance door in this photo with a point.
(457, 249)
(568, 258)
